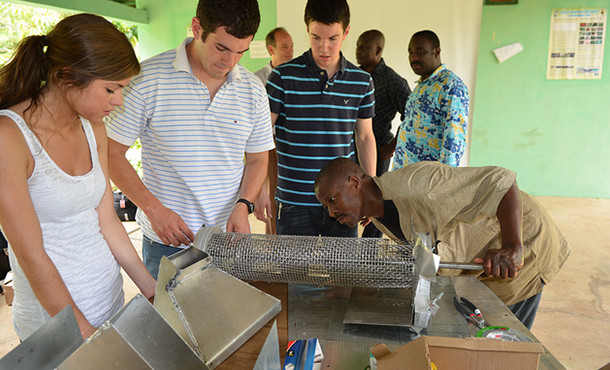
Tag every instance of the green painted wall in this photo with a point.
(554, 133)
(168, 23)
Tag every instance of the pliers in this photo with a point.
(470, 311)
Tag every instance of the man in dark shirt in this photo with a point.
(321, 108)
(391, 93)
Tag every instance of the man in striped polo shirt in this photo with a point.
(322, 106)
(197, 113)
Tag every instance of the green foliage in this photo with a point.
(134, 156)
(18, 21)
(131, 31)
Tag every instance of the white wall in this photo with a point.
(456, 22)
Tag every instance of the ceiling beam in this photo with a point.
(105, 8)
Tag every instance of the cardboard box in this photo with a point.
(459, 353)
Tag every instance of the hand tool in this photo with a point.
(470, 311)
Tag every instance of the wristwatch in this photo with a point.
(247, 203)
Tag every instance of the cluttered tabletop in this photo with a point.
(211, 315)
(320, 312)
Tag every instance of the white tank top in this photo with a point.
(66, 208)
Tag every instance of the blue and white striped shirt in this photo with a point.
(316, 121)
(192, 148)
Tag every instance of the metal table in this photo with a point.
(317, 312)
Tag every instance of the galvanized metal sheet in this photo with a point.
(386, 307)
(137, 337)
(315, 312)
(269, 357)
(153, 338)
(106, 350)
(309, 309)
(47, 347)
(340, 331)
(211, 310)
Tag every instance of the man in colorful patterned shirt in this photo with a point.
(436, 114)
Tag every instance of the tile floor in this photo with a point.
(574, 315)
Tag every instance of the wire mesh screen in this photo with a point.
(323, 261)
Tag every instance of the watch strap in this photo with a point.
(248, 204)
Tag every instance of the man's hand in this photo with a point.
(263, 211)
(169, 227)
(238, 220)
(503, 263)
(506, 261)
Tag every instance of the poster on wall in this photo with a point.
(576, 43)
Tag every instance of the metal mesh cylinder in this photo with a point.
(323, 261)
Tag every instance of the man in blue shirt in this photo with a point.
(436, 114)
(321, 106)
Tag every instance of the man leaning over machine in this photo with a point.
(474, 213)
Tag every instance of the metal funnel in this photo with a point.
(48, 346)
(214, 312)
(137, 337)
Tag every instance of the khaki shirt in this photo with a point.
(457, 206)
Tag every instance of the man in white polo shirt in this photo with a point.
(197, 113)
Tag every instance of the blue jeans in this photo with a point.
(526, 310)
(313, 221)
(152, 252)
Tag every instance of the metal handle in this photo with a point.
(460, 265)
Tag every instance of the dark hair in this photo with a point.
(339, 169)
(240, 17)
(327, 12)
(374, 35)
(430, 36)
(79, 49)
(270, 38)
